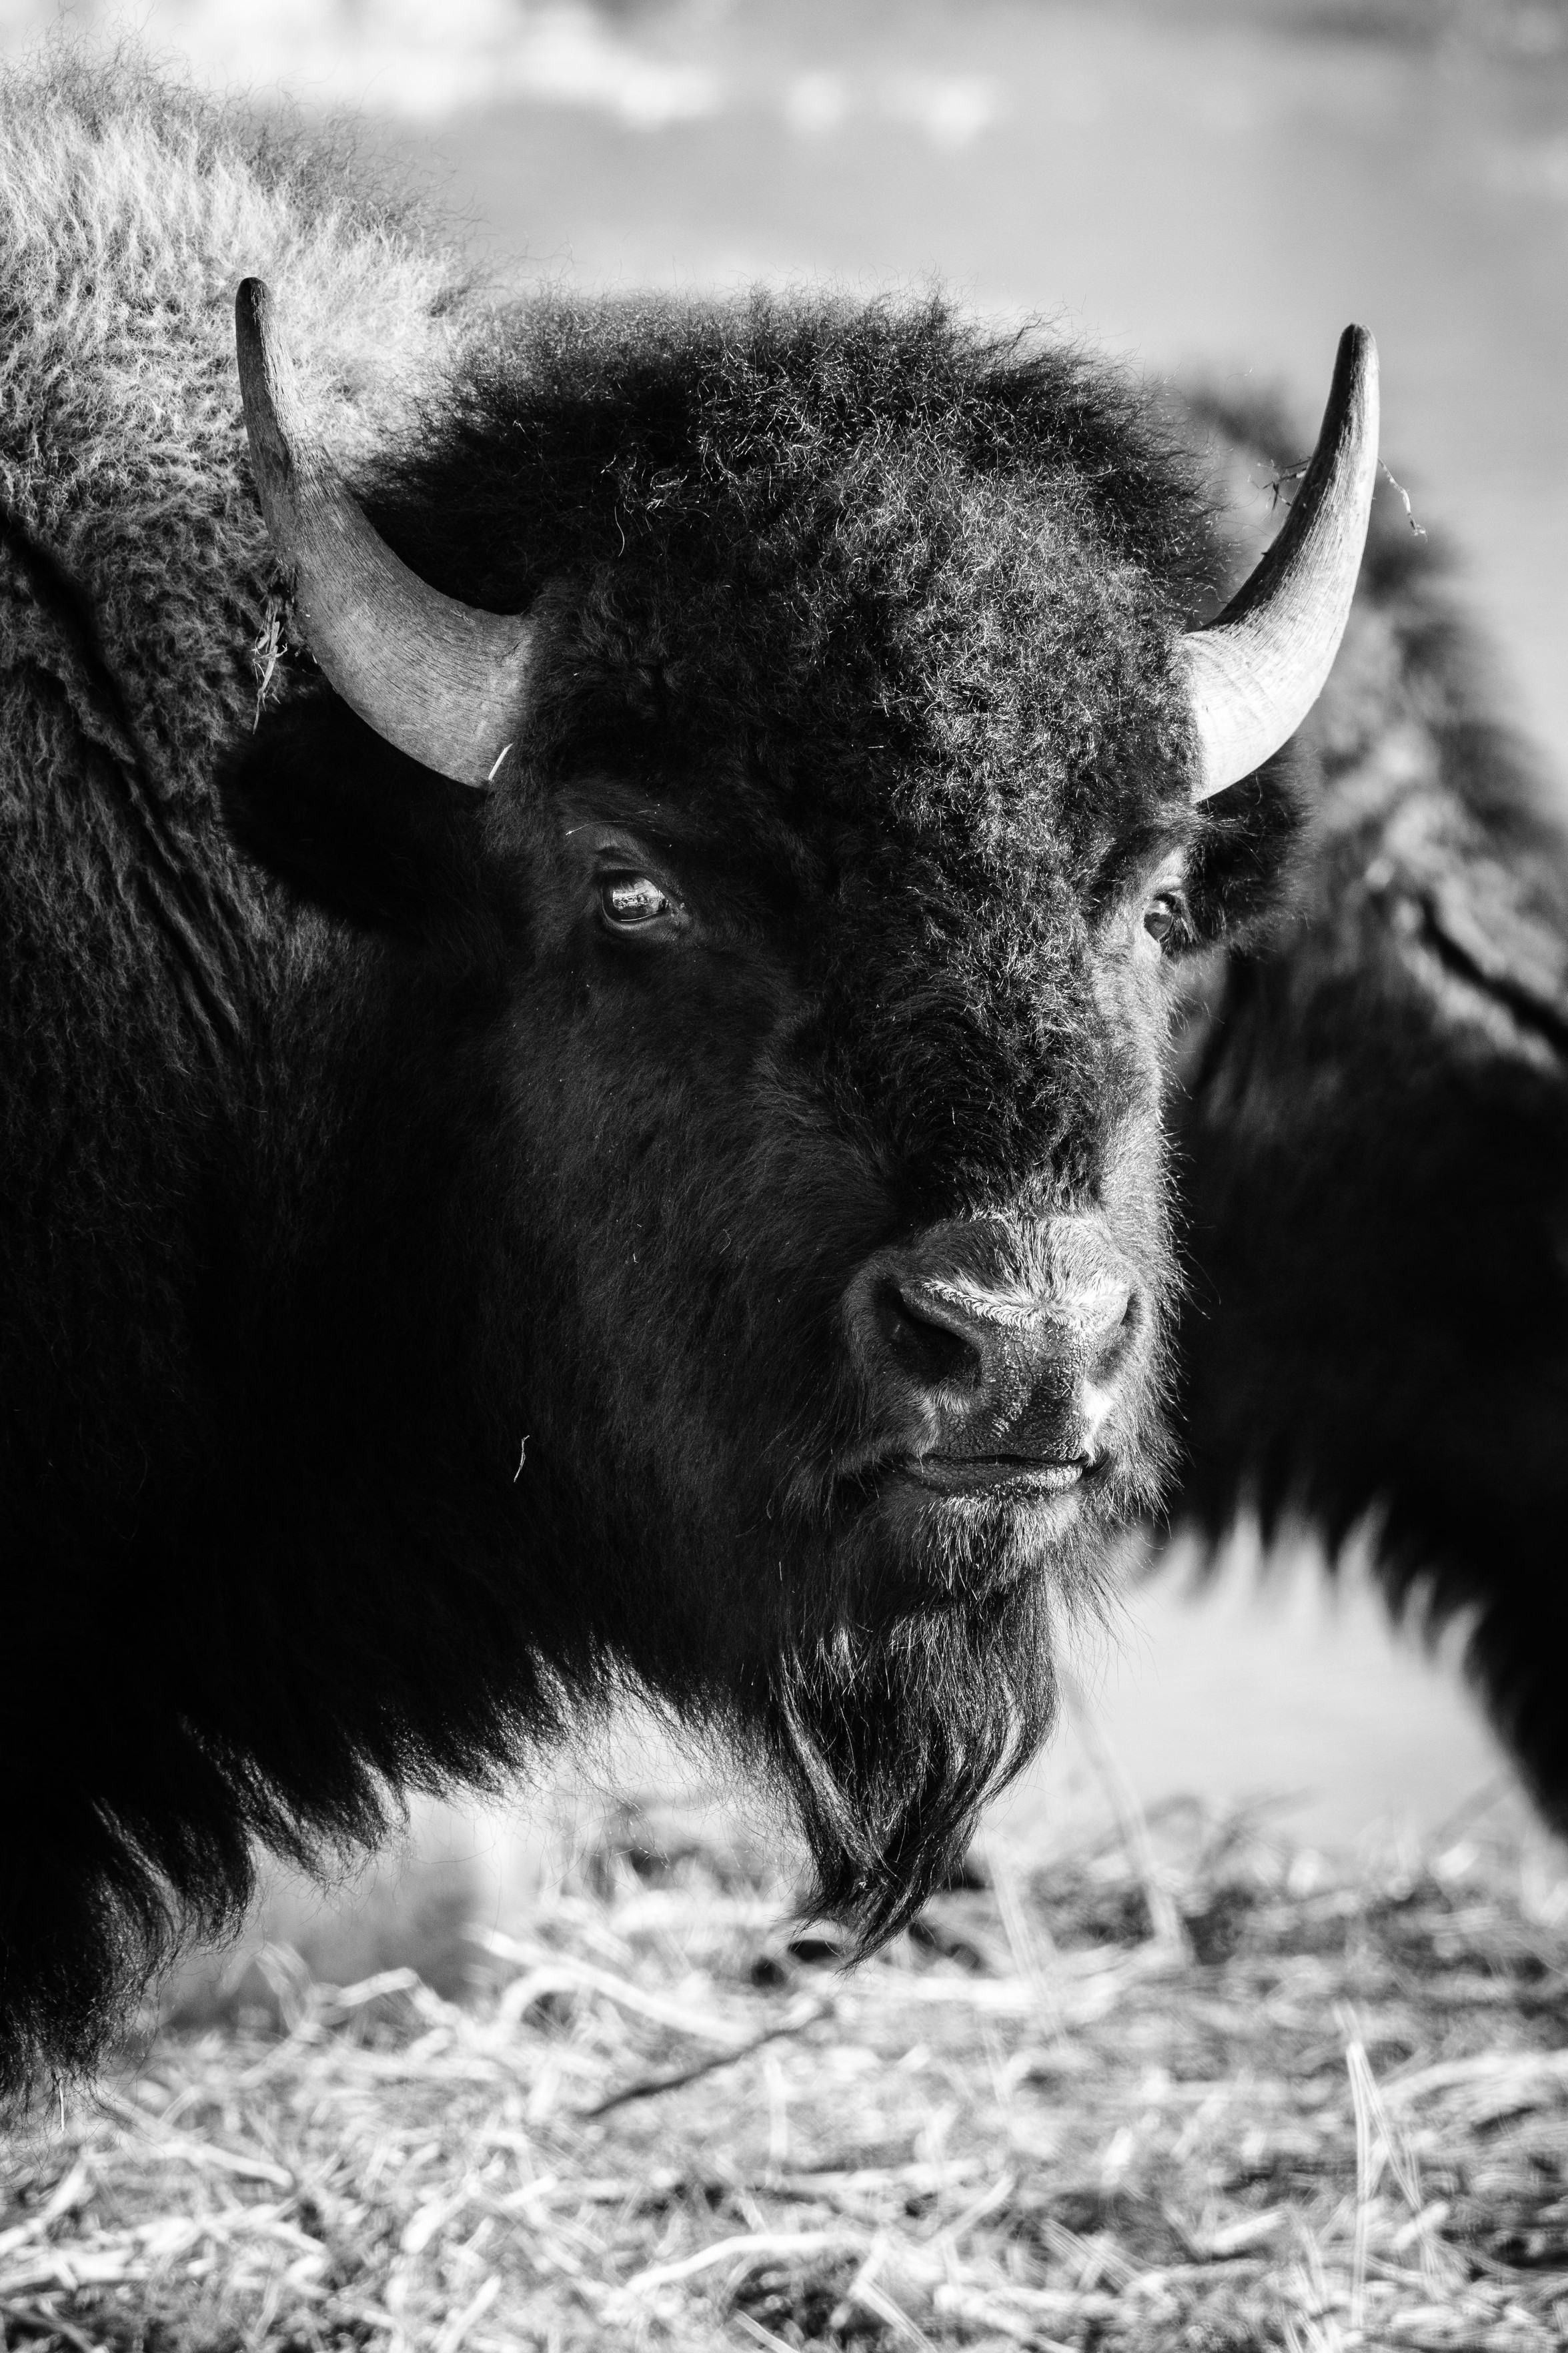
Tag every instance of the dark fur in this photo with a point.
(321, 1190)
(1373, 1137)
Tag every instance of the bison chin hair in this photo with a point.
(888, 1741)
(912, 1679)
(888, 1728)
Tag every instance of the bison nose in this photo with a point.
(986, 1361)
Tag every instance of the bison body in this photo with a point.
(1373, 1138)
(703, 1211)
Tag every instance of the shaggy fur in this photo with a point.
(1374, 1133)
(421, 1313)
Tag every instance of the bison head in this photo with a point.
(768, 1052)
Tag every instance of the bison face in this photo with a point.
(852, 1227)
(771, 1047)
(801, 1222)
(859, 1362)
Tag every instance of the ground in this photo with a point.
(1179, 2088)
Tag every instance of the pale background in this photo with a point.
(1186, 185)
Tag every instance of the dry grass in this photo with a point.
(1207, 2097)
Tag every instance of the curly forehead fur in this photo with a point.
(911, 576)
(886, 601)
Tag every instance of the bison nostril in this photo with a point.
(973, 1348)
(931, 1353)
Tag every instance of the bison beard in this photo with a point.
(890, 1739)
(889, 1723)
(883, 1657)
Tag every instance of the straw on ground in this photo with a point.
(1203, 2096)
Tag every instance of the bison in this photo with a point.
(679, 1013)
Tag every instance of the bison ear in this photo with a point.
(1241, 863)
(352, 824)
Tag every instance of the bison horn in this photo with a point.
(1253, 675)
(442, 682)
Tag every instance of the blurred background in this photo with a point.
(1208, 186)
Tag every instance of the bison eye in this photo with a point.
(631, 901)
(1162, 916)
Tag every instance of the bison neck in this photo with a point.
(248, 1484)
